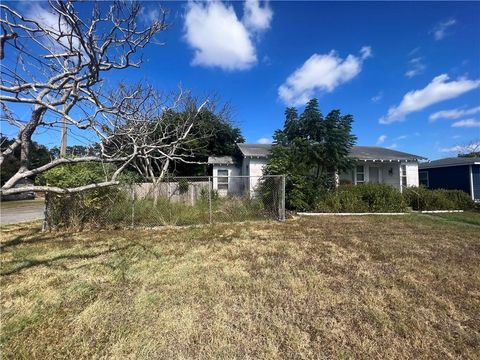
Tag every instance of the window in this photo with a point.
(222, 179)
(423, 178)
(360, 174)
(403, 175)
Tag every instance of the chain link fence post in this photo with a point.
(282, 199)
(210, 187)
(45, 225)
(132, 190)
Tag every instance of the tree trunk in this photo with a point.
(26, 137)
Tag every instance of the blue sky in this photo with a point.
(408, 72)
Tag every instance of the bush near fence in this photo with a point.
(420, 198)
(362, 198)
(182, 201)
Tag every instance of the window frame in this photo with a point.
(361, 172)
(427, 182)
(403, 175)
(222, 180)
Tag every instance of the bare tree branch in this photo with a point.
(55, 60)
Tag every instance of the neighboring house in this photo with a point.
(460, 173)
(374, 165)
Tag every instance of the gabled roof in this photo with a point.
(221, 160)
(452, 161)
(365, 153)
(255, 150)
(376, 153)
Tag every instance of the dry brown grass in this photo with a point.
(308, 288)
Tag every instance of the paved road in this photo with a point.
(13, 212)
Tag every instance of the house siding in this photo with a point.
(449, 177)
(255, 167)
(412, 174)
(389, 173)
(234, 185)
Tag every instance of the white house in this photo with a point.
(374, 165)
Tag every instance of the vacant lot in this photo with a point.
(368, 287)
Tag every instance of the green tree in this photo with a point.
(214, 135)
(310, 150)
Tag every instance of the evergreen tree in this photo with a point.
(309, 150)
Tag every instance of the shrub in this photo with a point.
(362, 198)
(439, 199)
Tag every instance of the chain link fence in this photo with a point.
(173, 201)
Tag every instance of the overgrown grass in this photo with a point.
(116, 209)
(362, 198)
(420, 198)
(369, 287)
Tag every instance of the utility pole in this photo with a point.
(63, 141)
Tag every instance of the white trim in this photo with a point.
(350, 214)
(471, 183)
(439, 211)
(364, 174)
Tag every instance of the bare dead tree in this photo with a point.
(55, 61)
(163, 130)
(470, 149)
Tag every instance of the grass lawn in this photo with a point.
(342, 287)
(465, 217)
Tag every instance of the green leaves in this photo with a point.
(309, 150)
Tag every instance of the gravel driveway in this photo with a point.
(13, 212)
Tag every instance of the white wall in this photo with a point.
(234, 184)
(412, 174)
(255, 171)
(391, 174)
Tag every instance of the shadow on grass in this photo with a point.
(30, 263)
(20, 239)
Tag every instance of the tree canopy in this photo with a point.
(310, 150)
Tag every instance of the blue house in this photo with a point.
(460, 173)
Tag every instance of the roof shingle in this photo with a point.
(452, 161)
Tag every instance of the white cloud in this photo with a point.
(377, 97)
(401, 137)
(381, 139)
(393, 146)
(439, 89)
(50, 20)
(150, 14)
(321, 72)
(219, 38)
(453, 113)
(366, 52)
(256, 17)
(461, 149)
(469, 123)
(440, 30)
(416, 67)
(264, 140)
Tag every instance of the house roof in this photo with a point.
(452, 161)
(221, 160)
(365, 153)
(382, 154)
(255, 150)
